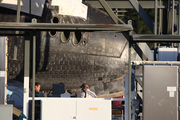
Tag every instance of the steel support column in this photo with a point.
(172, 29)
(26, 74)
(179, 30)
(34, 71)
(155, 17)
(3, 74)
(160, 19)
(169, 18)
(155, 27)
(17, 32)
(179, 18)
(129, 83)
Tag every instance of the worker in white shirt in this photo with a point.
(86, 92)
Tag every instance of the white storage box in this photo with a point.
(75, 109)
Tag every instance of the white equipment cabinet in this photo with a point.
(75, 109)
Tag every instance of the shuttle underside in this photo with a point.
(72, 57)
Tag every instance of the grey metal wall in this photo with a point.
(160, 92)
(6, 112)
(2, 68)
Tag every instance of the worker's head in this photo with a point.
(37, 87)
(84, 86)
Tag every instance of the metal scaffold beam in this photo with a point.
(59, 27)
(124, 4)
(143, 14)
(156, 38)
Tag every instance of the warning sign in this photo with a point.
(117, 115)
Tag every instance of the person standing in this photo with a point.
(37, 102)
(86, 92)
(37, 89)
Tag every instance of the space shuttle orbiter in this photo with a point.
(70, 57)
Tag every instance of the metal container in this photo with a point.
(160, 92)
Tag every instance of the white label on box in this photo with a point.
(171, 91)
(171, 88)
(2, 73)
